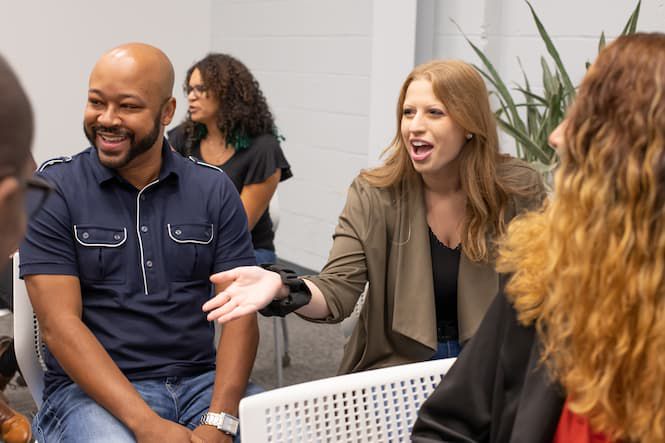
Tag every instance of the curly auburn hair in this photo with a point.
(589, 270)
(488, 186)
(243, 112)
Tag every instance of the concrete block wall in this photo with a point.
(54, 45)
(331, 70)
(312, 60)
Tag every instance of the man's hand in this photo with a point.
(209, 434)
(248, 289)
(160, 430)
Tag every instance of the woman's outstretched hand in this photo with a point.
(248, 289)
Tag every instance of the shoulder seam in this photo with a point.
(199, 162)
(54, 161)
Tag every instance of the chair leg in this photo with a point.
(286, 359)
(278, 352)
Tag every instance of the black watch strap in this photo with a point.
(299, 293)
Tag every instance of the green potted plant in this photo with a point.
(530, 117)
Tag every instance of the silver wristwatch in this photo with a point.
(226, 423)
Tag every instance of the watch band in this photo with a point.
(299, 293)
(224, 422)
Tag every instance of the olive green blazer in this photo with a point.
(382, 238)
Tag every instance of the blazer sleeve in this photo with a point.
(461, 407)
(343, 277)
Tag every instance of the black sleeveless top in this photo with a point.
(445, 268)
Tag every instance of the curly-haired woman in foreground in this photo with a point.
(574, 350)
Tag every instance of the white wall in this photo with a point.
(329, 69)
(313, 61)
(53, 46)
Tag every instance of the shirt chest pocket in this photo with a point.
(189, 251)
(100, 253)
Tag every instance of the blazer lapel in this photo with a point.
(477, 284)
(414, 313)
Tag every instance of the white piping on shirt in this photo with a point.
(138, 233)
(54, 161)
(199, 242)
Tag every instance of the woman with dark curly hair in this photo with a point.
(229, 125)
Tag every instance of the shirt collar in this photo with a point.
(169, 165)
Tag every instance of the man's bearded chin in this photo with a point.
(136, 148)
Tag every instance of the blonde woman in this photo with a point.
(573, 352)
(420, 229)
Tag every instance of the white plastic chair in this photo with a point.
(380, 405)
(27, 341)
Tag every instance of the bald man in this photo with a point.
(117, 267)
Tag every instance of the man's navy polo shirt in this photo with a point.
(143, 258)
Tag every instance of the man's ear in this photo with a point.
(9, 188)
(168, 110)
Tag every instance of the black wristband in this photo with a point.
(299, 293)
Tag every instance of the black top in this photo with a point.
(445, 268)
(143, 258)
(498, 390)
(247, 166)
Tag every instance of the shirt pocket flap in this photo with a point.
(99, 236)
(197, 233)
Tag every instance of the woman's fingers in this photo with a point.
(226, 277)
(217, 301)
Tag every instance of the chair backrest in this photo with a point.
(379, 405)
(27, 341)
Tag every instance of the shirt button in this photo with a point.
(144, 228)
(178, 232)
(117, 236)
(148, 263)
(85, 235)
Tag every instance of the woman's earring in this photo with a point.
(469, 136)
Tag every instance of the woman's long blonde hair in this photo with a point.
(589, 270)
(461, 89)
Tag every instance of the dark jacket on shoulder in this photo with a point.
(497, 391)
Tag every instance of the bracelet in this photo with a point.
(299, 293)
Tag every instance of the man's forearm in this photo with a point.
(89, 365)
(235, 358)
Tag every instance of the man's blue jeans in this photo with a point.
(69, 415)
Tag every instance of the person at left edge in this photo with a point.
(117, 267)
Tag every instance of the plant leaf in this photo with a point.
(497, 82)
(532, 95)
(551, 49)
(523, 138)
(631, 24)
